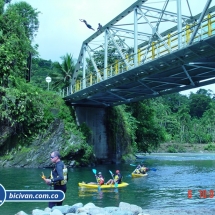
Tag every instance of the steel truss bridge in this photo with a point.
(145, 52)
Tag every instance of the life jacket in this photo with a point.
(100, 180)
(116, 177)
(65, 175)
(137, 171)
(143, 170)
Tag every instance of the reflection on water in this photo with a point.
(98, 194)
(167, 187)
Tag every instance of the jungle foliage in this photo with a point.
(187, 119)
(26, 109)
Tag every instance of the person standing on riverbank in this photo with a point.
(59, 176)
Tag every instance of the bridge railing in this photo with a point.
(145, 54)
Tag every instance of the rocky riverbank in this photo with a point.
(123, 209)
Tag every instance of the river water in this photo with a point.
(167, 187)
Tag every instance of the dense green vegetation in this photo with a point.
(173, 118)
(187, 119)
(27, 110)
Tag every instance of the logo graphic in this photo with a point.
(2, 195)
(34, 195)
(30, 195)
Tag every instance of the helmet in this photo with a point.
(117, 171)
(99, 173)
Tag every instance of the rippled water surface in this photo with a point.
(165, 188)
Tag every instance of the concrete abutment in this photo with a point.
(95, 120)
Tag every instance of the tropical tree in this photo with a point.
(65, 72)
(148, 133)
(121, 127)
(15, 45)
(40, 70)
(208, 122)
(184, 119)
(15, 40)
(28, 17)
(199, 103)
(175, 100)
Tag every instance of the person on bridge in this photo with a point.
(99, 27)
(89, 26)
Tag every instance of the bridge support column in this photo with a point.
(95, 120)
(84, 67)
(106, 55)
(135, 37)
(179, 24)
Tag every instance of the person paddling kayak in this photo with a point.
(116, 179)
(99, 178)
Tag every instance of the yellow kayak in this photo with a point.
(135, 175)
(83, 184)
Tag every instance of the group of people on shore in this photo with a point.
(116, 179)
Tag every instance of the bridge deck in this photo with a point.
(159, 77)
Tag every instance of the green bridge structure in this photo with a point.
(142, 53)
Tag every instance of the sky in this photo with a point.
(61, 31)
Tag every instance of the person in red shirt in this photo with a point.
(100, 179)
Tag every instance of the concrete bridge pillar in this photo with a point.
(95, 120)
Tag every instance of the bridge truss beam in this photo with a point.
(145, 52)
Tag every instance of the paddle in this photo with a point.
(116, 184)
(94, 171)
(153, 169)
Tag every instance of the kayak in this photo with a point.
(135, 175)
(83, 184)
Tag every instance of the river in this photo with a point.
(165, 188)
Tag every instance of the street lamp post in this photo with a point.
(48, 80)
